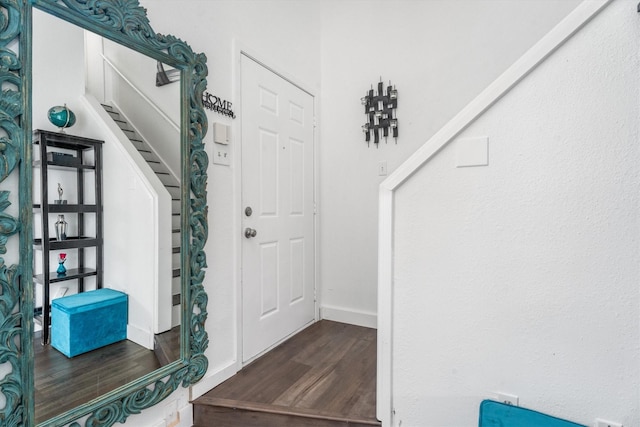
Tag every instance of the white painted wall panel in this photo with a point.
(269, 166)
(440, 54)
(522, 276)
(441, 58)
(269, 278)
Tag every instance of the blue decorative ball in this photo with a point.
(61, 117)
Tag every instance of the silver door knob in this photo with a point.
(249, 233)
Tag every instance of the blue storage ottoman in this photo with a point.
(88, 320)
(496, 414)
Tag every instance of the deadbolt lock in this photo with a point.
(248, 211)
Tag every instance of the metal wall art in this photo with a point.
(380, 109)
(217, 104)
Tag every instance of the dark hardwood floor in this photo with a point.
(325, 376)
(167, 346)
(62, 383)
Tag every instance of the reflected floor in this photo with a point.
(62, 383)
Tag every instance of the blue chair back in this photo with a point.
(496, 414)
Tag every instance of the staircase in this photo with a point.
(170, 183)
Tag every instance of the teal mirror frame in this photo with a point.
(125, 22)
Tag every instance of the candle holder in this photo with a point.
(61, 228)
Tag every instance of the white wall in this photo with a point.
(58, 78)
(58, 73)
(315, 42)
(440, 54)
(463, 49)
(522, 276)
(285, 35)
(153, 111)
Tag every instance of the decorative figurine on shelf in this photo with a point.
(61, 269)
(59, 201)
(61, 116)
(61, 228)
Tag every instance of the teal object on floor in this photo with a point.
(88, 320)
(496, 414)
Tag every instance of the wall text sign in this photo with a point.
(214, 103)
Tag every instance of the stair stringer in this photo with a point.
(169, 180)
(535, 56)
(160, 221)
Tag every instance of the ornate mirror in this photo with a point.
(125, 23)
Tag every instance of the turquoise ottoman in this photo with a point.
(88, 320)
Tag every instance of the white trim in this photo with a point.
(352, 317)
(510, 78)
(211, 380)
(185, 416)
(384, 398)
(514, 74)
(237, 199)
(140, 336)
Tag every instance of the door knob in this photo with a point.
(249, 233)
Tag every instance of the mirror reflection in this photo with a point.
(120, 206)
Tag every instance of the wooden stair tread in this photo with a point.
(324, 376)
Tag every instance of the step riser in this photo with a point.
(213, 416)
(175, 285)
(149, 157)
(175, 222)
(167, 179)
(174, 192)
(156, 166)
(175, 239)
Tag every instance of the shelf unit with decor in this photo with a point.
(82, 157)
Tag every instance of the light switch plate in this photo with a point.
(220, 133)
(382, 168)
(221, 155)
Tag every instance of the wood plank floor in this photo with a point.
(167, 346)
(323, 376)
(62, 383)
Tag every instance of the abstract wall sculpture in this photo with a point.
(380, 109)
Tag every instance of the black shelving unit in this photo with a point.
(87, 158)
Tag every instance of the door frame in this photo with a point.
(239, 50)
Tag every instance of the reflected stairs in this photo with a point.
(170, 183)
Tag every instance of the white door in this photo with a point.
(278, 290)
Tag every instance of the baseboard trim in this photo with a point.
(140, 336)
(352, 317)
(213, 379)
